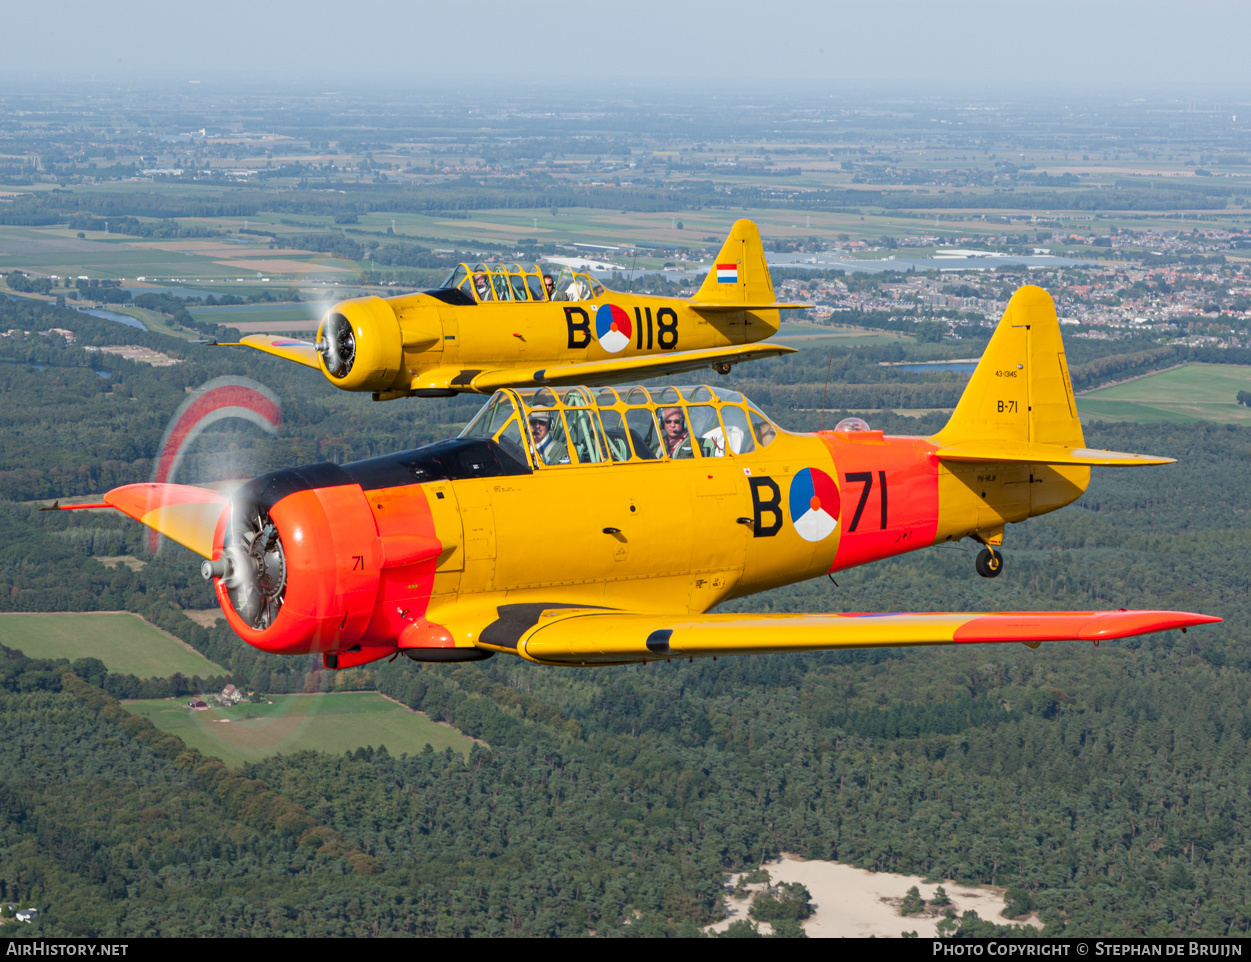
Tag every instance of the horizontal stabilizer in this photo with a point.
(287, 348)
(182, 513)
(1023, 451)
(612, 371)
(584, 636)
(723, 307)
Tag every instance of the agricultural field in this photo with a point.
(334, 723)
(253, 318)
(123, 641)
(1193, 392)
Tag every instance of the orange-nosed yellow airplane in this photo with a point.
(501, 326)
(591, 527)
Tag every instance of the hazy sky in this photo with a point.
(952, 43)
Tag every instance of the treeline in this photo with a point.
(25, 284)
(348, 248)
(133, 226)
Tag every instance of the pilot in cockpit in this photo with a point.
(546, 448)
(677, 439)
(482, 285)
(549, 283)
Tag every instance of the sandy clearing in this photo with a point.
(130, 561)
(855, 903)
(204, 617)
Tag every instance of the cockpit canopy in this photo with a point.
(494, 283)
(551, 427)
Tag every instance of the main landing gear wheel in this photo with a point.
(989, 563)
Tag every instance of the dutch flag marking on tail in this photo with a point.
(727, 273)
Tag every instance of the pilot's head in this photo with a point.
(540, 425)
(673, 422)
(550, 283)
(480, 282)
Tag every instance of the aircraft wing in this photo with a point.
(611, 371)
(182, 513)
(287, 348)
(564, 635)
(1035, 453)
(722, 307)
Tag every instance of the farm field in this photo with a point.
(123, 641)
(263, 316)
(1194, 392)
(56, 250)
(334, 723)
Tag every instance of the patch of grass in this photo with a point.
(336, 723)
(272, 313)
(124, 642)
(1193, 392)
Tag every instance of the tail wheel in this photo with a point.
(989, 563)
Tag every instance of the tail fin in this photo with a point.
(740, 274)
(1020, 391)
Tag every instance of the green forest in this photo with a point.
(1106, 786)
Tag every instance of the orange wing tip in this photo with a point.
(137, 500)
(1075, 625)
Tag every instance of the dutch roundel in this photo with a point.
(613, 328)
(814, 504)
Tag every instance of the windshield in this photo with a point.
(578, 426)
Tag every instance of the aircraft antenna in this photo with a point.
(632, 264)
(826, 392)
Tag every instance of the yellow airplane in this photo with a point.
(496, 326)
(577, 526)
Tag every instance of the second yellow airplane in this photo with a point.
(512, 325)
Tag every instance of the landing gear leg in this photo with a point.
(989, 563)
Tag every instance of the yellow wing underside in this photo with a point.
(589, 636)
(719, 307)
(287, 348)
(180, 512)
(594, 373)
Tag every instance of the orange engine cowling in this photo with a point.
(298, 561)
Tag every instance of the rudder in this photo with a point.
(1020, 390)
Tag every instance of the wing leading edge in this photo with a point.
(596, 636)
